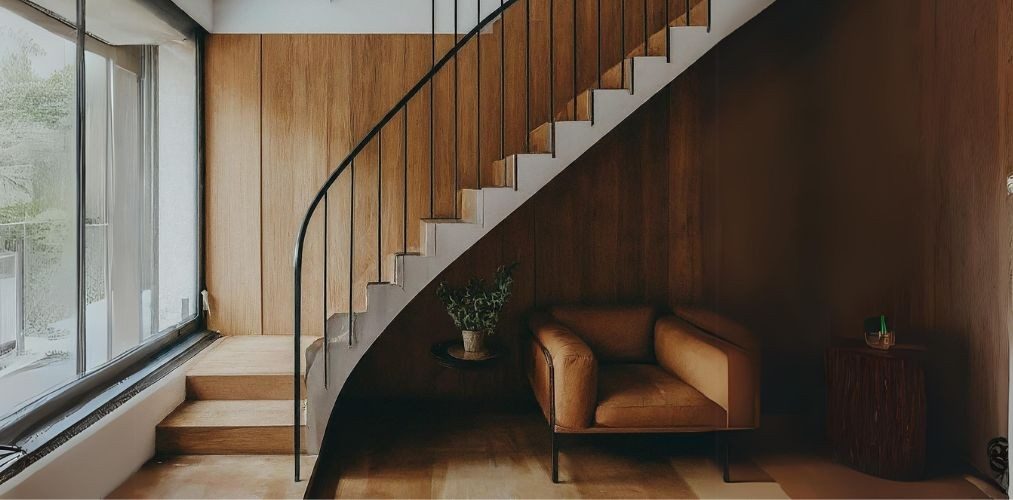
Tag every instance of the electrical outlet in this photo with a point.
(1009, 184)
(205, 301)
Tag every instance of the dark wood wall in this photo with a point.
(860, 170)
(827, 162)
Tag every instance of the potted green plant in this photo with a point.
(475, 307)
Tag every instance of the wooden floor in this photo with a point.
(457, 456)
(507, 456)
(215, 476)
(502, 456)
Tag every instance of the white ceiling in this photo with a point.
(119, 22)
(333, 16)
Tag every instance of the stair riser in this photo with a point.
(272, 440)
(471, 205)
(240, 387)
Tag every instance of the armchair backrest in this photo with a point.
(719, 326)
(614, 333)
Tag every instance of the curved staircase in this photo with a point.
(576, 124)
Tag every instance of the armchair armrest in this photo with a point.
(725, 373)
(563, 374)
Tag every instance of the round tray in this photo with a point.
(451, 354)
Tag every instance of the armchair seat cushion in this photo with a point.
(643, 395)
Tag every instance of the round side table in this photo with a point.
(441, 352)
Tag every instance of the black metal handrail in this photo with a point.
(402, 107)
(322, 193)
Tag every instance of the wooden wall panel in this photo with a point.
(690, 105)
(1005, 63)
(341, 135)
(232, 199)
(859, 173)
(971, 272)
(295, 142)
(418, 57)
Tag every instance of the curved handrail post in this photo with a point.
(297, 382)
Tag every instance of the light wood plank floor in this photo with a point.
(500, 456)
(507, 456)
(216, 476)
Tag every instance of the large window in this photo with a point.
(37, 211)
(140, 213)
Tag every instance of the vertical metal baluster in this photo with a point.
(379, 205)
(688, 23)
(633, 68)
(478, 92)
(327, 357)
(297, 376)
(351, 250)
(574, 60)
(599, 45)
(456, 82)
(598, 62)
(296, 361)
(515, 173)
(502, 88)
(527, 78)
(709, 5)
(404, 205)
(622, 43)
(647, 38)
(552, 78)
(668, 32)
(432, 123)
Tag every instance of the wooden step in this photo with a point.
(228, 428)
(508, 167)
(246, 367)
(541, 139)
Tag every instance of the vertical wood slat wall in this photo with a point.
(233, 183)
(284, 110)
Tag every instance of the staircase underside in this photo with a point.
(482, 209)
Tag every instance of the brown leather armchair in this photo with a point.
(624, 369)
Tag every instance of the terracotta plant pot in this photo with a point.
(473, 341)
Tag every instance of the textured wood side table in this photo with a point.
(876, 409)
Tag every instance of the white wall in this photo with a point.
(96, 461)
(342, 16)
(201, 11)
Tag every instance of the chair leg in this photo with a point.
(555, 457)
(722, 451)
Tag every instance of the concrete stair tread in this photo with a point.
(446, 221)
